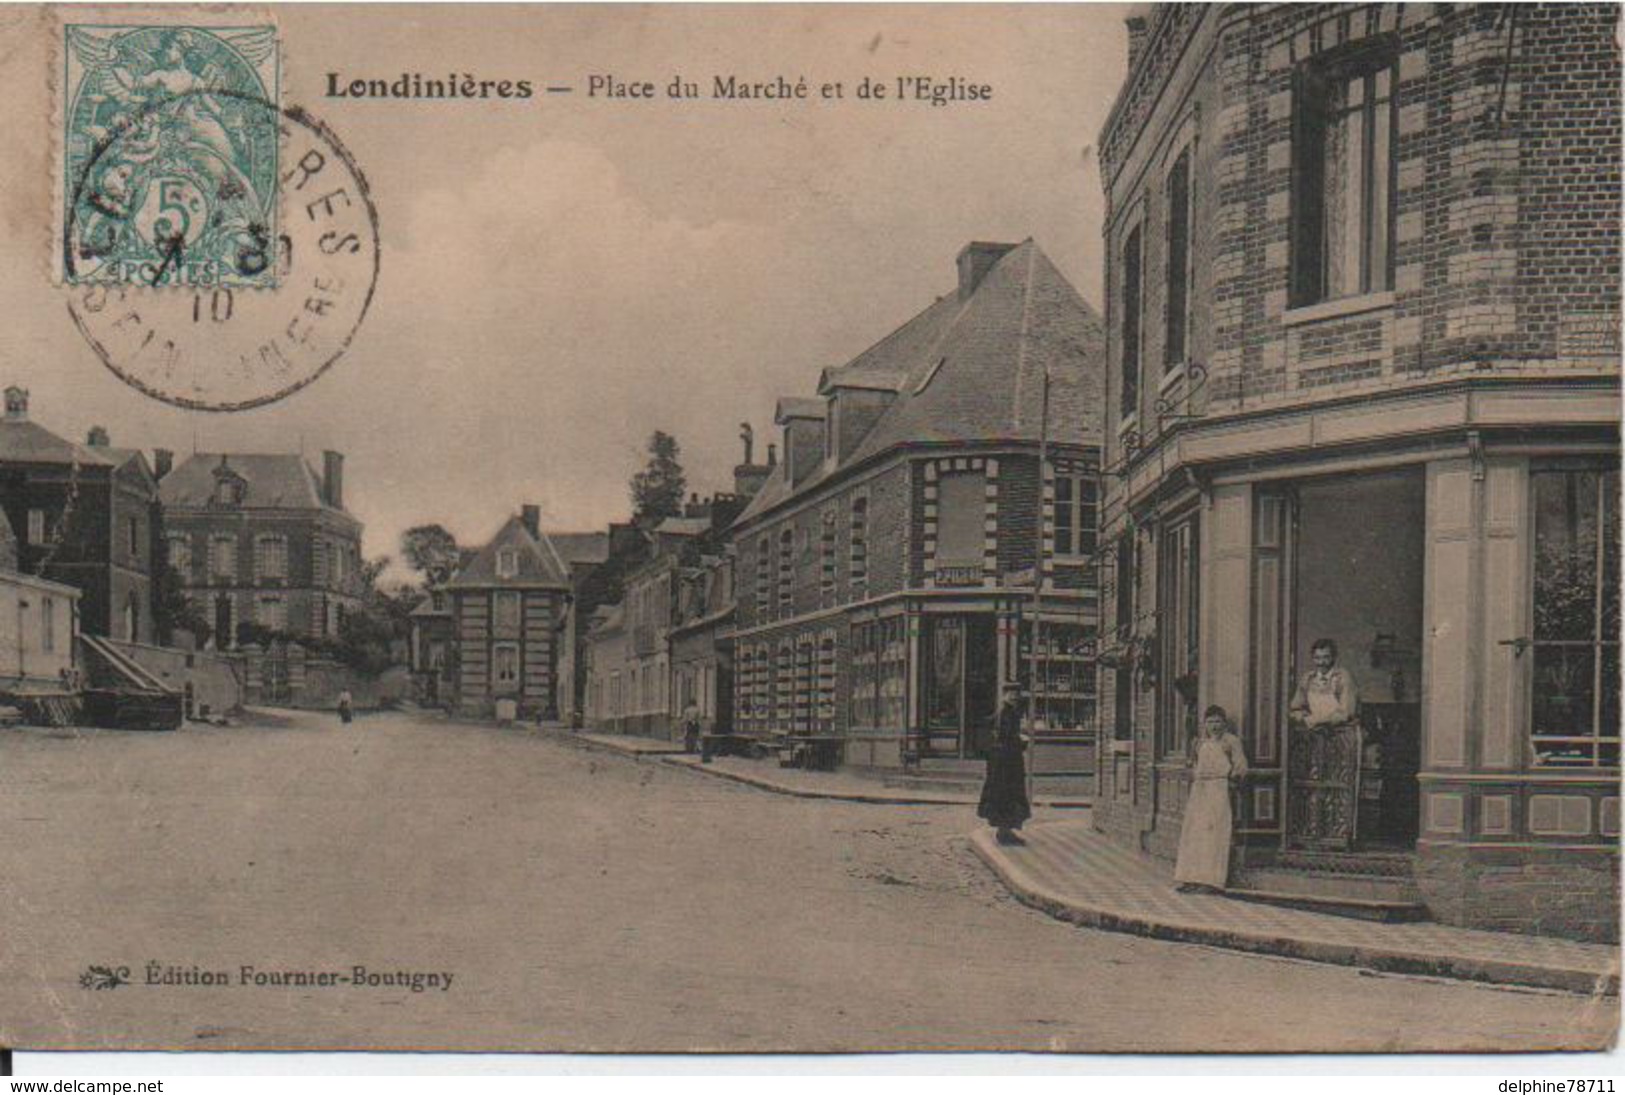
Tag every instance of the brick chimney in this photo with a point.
(772, 455)
(531, 516)
(163, 462)
(97, 437)
(16, 404)
(333, 478)
(975, 260)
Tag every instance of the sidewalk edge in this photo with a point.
(1380, 959)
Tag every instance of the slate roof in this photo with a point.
(972, 370)
(581, 548)
(540, 566)
(26, 442)
(275, 480)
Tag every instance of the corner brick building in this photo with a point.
(1363, 319)
(884, 572)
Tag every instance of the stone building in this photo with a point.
(83, 515)
(884, 572)
(512, 624)
(1363, 278)
(263, 545)
(702, 643)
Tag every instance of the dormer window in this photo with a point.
(508, 563)
(228, 491)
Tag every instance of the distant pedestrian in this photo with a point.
(1004, 802)
(1218, 763)
(346, 706)
(691, 729)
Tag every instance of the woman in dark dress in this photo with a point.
(1004, 802)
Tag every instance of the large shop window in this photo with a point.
(1130, 395)
(1343, 174)
(1123, 676)
(1177, 607)
(1574, 718)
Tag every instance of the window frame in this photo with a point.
(1131, 324)
(1313, 83)
(1180, 282)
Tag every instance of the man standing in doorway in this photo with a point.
(1327, 694)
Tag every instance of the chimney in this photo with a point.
(975, 260)
(532, 518)
(97, 437)
(1136, 39)
(748, 436)
(16, 404)
(772, 455)
(163, 462)
(333, 478)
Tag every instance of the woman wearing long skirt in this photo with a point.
(1004, 802)
(1218, 761)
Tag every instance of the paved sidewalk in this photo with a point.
(630, 744)
(1072, 872)
(849, 786)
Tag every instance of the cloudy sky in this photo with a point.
(563, 275)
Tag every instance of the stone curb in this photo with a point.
(1397, 960)
(677, 759)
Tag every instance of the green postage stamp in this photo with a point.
(169, 148)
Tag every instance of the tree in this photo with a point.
(657, 490)
(431, 551)
(173, 610)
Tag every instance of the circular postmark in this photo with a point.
(194, 287)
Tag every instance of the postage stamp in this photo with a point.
(170, 158)
(216, 346)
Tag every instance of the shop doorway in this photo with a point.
(960, 671)
(1338, 572)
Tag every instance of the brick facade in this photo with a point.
(1476, 350)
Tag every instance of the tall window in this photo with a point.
(180, 555)
(272, 557)
(132, 529)
(1130, 328)
(787, 569)
(1077, 511)
(47, 619)
(507, 563)
(223, 557)
(764, 578)
(36, 526)
(1177, 617)
(826, 558)
(506, 661)
(1343, 175)
(859, 562)
(1574, 716)
(961, 517)
(507, 610)
(1179, 258)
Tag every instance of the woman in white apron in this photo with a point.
(1217, 761)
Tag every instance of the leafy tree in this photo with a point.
(173, 610)
(431, 551)
(657, 490)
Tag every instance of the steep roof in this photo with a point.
(972, 369)
(276, 480)
(540, 566)
(26, 442)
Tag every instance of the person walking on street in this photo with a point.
(691, 729)
(1004, 802)
(346, 706)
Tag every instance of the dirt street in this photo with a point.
(586, 901)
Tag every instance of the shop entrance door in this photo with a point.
(1338, 564)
